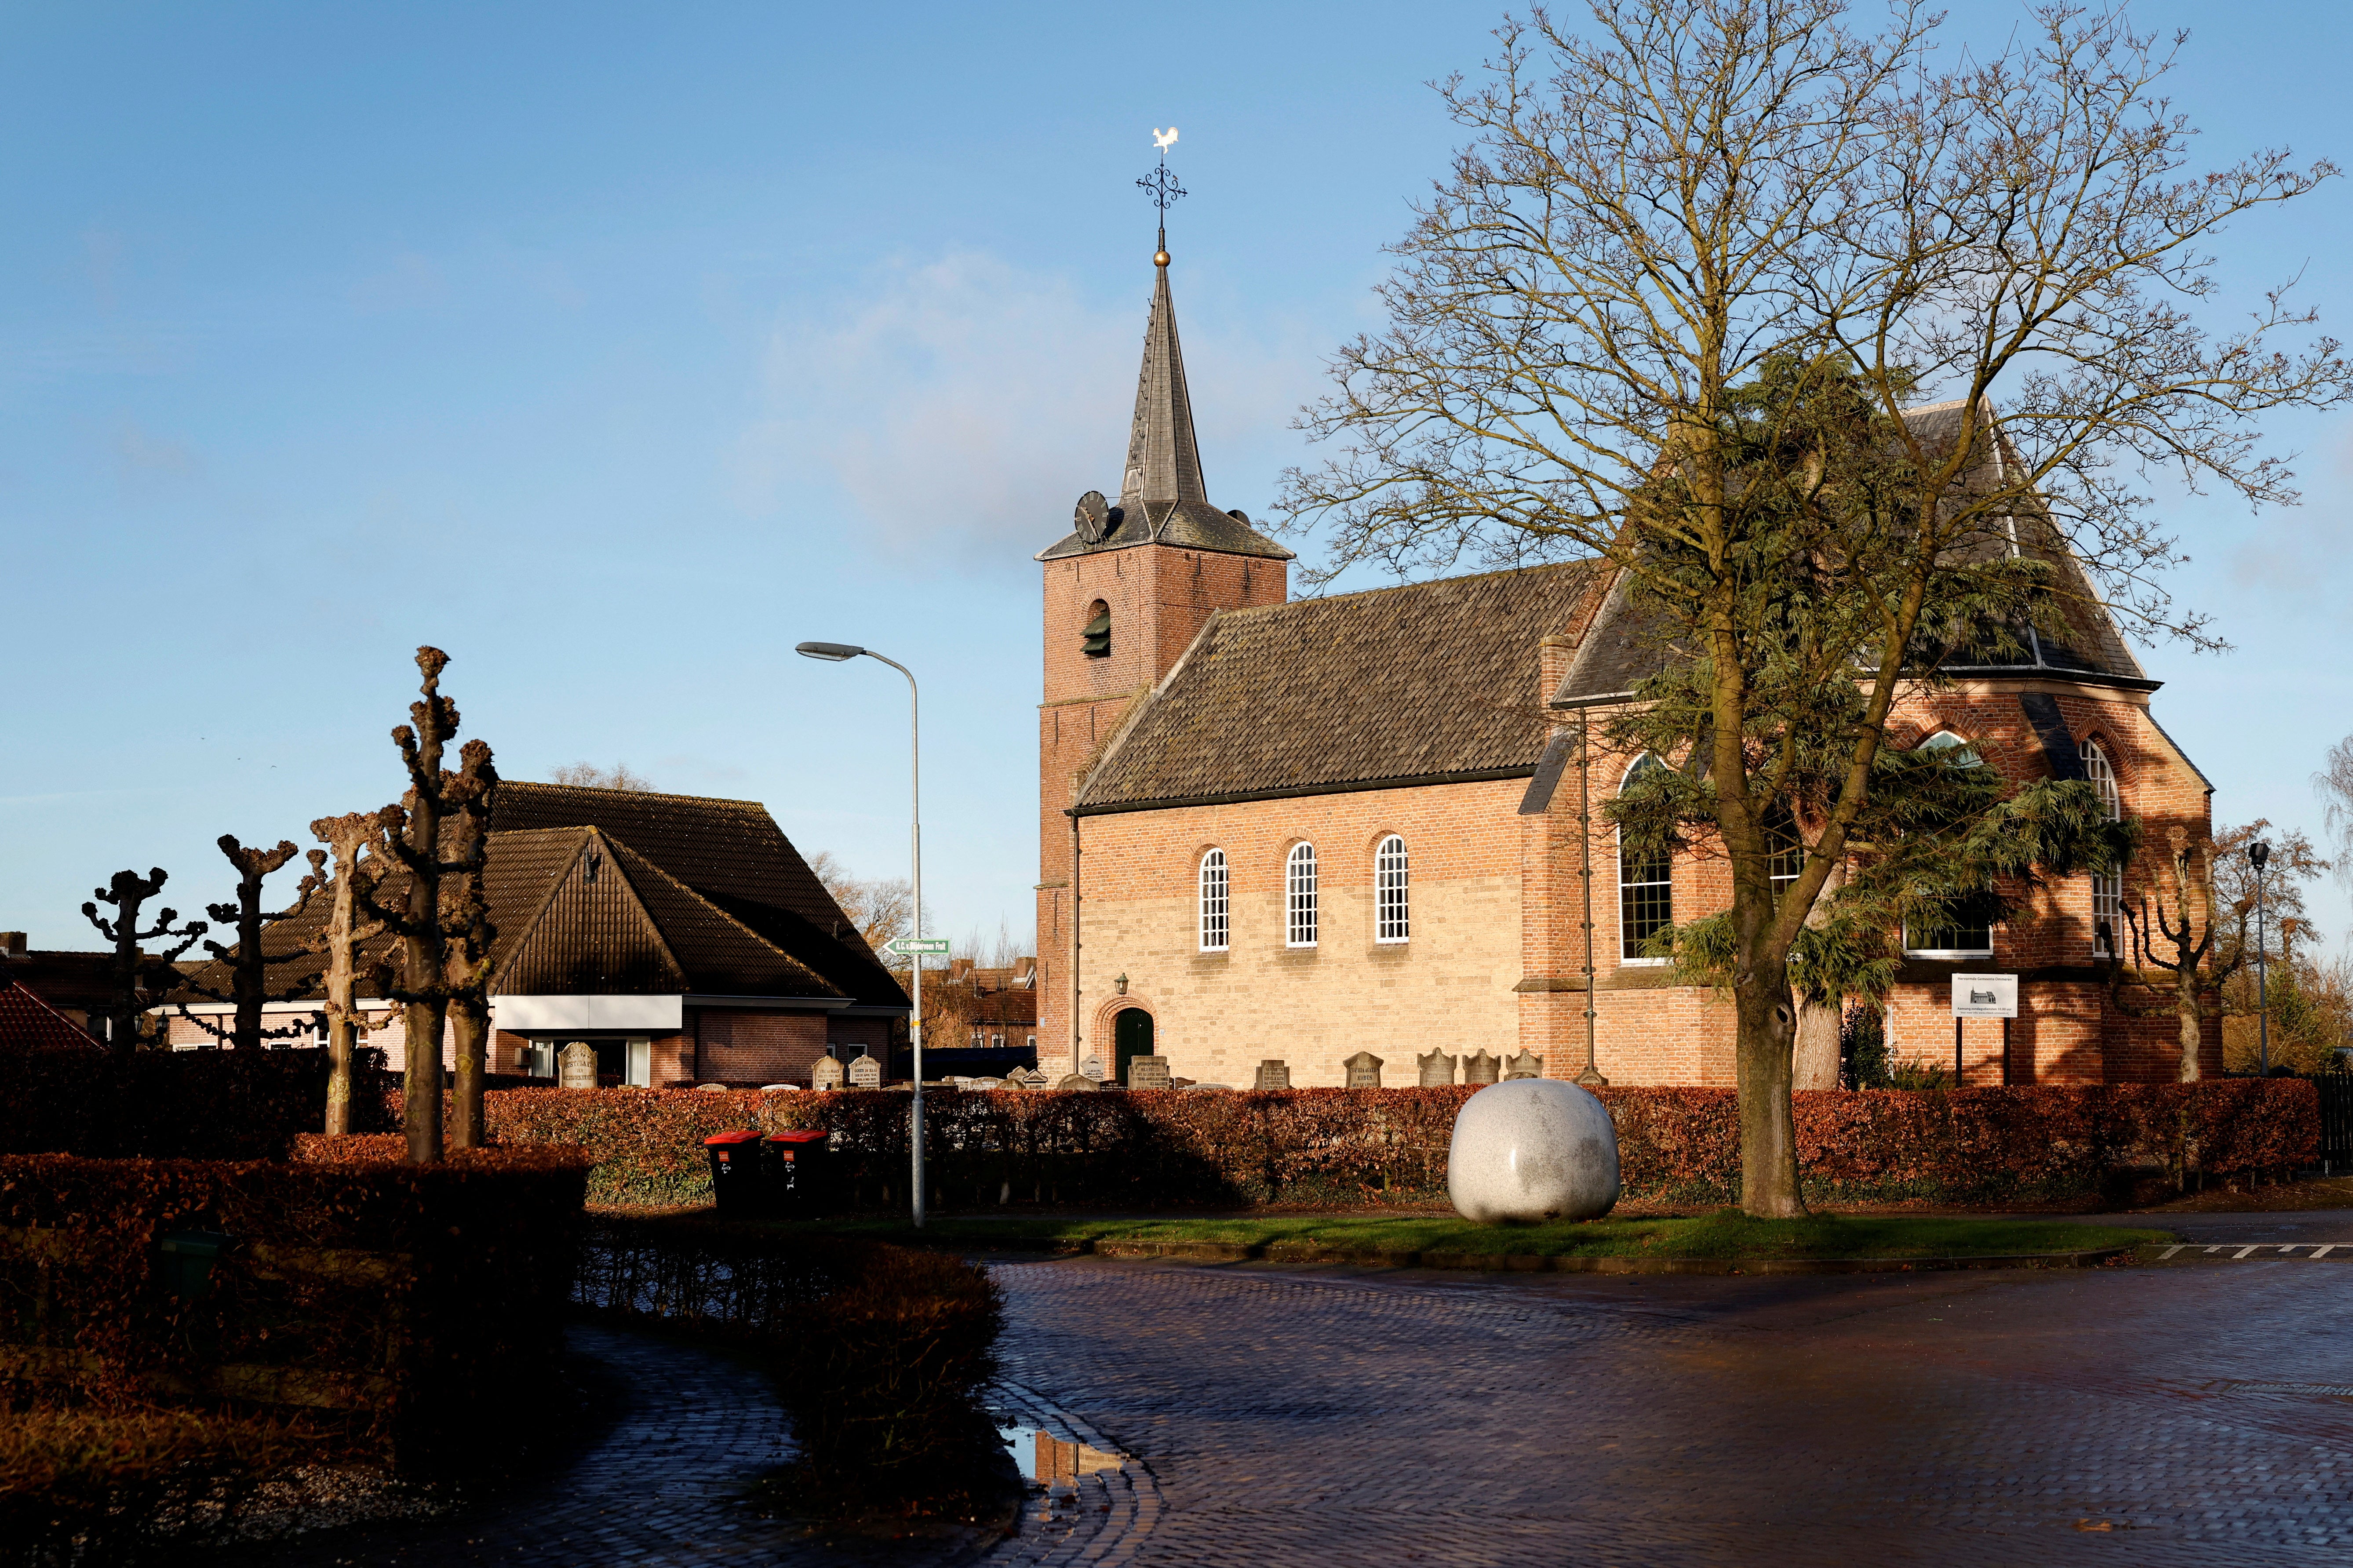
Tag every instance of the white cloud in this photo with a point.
(966, 401)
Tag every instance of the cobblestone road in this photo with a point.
(2128, 1416)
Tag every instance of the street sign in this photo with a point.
(918, 944)
(1985, 995)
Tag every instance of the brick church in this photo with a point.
(1303, 829)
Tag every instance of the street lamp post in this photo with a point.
(2258, 853)
(836, 652)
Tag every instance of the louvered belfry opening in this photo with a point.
(1095, 641)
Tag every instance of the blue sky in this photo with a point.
(616, 350)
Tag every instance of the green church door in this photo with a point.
(1131, 1035)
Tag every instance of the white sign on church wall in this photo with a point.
(1985, 995)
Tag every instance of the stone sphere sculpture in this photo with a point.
(1533, 1148)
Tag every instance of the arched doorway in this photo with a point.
(1131, 1036)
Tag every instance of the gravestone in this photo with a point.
(826, 1074)
(866, 1073)
(1147, 1072)
(1092, 1067)
(1436, 1069)
(1026, 1077)
(1076, 1082)
(1273, 1073)
(1527, 1064)
(1480, 1068)
(576, 1067)
(1364, 1070)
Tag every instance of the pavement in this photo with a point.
(2127, 1416)
(1252, 1413)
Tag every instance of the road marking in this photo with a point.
(2243, 1252)
(2324, 1251)
(2290, 1247)
(2167, 1253)
(2214, 1249)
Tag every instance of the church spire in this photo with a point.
(1164, 459)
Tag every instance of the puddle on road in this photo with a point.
(1055, 1465)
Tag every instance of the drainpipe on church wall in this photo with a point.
(1078, 1038)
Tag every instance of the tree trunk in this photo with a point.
(2192, 1016)
(341, 1027)
(421, 1098)
(1768, 1134)
(471, 1023)
(1818, 1045)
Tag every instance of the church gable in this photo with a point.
(1429, 682)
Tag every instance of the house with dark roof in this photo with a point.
(684, 939)
(1306, 829)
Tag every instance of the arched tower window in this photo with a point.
(2107, 886)
(1095, 641)
(1299, 897)
(1646, 890)
(1392, 914)
(1213, 901)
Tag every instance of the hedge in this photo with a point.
(1216, 1147)
(174, 1105)
(404, 1305)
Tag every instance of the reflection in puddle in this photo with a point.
(1056, 1468)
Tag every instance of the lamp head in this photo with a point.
(833, 652)
(2259, 852)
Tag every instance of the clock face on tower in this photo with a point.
(1091, 517)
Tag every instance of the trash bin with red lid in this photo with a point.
(735, 1174)
(799, 1173)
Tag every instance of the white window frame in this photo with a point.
(1299, 908)
(1214, 885)
(1392, 892)
(2107, 886)
(1634, 769)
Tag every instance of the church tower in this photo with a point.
(1126, 592)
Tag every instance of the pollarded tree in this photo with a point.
(2190, 933)
(414, 839)
(1648, 217)
(249, 993)
(137, 979)
(356, 841)
(465, 926)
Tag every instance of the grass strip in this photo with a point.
(1727, 1236)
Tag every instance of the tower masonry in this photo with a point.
(1126, 592)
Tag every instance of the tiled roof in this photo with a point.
(29, 1024)
(579, 910)
(730, 851)
(1426, 681)
(1629, 640)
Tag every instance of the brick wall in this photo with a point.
(746, 1047)
(1217, 1014)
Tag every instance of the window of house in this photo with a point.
(1299, 901)
(2107, 886)
(1945, 740)
(1095, 641)
(1646, 894)
(1392, 913)
(1214, 931)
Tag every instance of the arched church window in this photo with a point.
(1095, 641)
(1213, 901)
(1788, 849)
(1945, 740)
(1391, 912)
(1646, 892)
(2107, 886)
(1299, 897)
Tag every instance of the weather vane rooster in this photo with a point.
(1162, 187)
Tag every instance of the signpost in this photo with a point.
(1984, 996)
